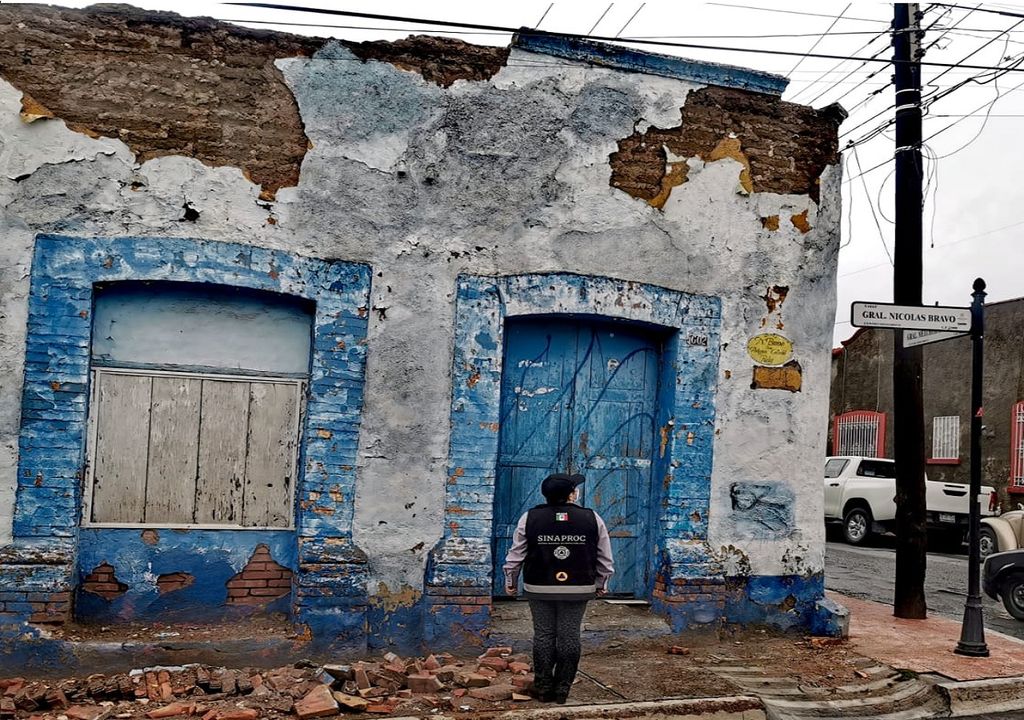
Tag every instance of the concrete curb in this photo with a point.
(976, 697)
(737, 707)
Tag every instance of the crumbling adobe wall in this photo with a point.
(426, 172)
(162, 84)
(783, 147)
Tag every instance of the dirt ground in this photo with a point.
(633, 668)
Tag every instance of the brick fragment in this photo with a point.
(519, 697)
(424, 683)
(351, 703)
(361, 678)
(84, 712)
(239, 714)
(473, 680)
(487, 672)
(519, 667)
(523, 682)
(318, 702)
(167, 711)
(493, 693)
(494, 663)
(678, 650)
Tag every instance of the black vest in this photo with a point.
(561, 553)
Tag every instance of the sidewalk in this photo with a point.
(926, 646)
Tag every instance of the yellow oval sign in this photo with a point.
(770, 349)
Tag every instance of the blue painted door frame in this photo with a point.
(579, 395)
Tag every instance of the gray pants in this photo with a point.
(556, 644)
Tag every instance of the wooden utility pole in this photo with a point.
(908, 407)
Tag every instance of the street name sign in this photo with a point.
(910, 317)
(912, 338)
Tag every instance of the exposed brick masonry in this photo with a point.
(439, 60)
(261, 580)
(164, 84)
(786, 146)
(101, 581)
(169, 582)
(41, 607)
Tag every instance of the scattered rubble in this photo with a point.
(304, 691)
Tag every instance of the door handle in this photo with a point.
(833, 484)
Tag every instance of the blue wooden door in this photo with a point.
(579, 397)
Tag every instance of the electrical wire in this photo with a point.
(978, 50)
(790, 12)
(631, 18)
(984, 123)
(539, 22)
(1004, 13)
(881, 189)
(929, 100)
(598, 38)
(849, 205)
(881, 235)
(933, 182)
(821, 37)
(594, 27)
(957, 122)
(814, 82)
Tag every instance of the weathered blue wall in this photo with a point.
(330, 589)
(211, 557)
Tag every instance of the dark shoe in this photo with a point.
(561, 694)
(543, 695)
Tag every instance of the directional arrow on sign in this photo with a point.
(911, 317)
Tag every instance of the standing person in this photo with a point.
(565, 555)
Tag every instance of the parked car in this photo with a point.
(860, 492)
(1001, 533)
(1002, 578)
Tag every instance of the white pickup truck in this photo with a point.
(860, 492)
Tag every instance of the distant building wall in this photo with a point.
(862, 380)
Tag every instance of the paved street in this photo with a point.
(867, 572)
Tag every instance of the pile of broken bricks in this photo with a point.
(436, 683)
(440, 681)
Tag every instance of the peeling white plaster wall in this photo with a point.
(499, 177)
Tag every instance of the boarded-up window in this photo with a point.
(946, 437)
(195, 405)
(182, 449)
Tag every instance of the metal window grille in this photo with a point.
(1017, 446)
(859, 432)
(946, 437)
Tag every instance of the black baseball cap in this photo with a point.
(560, 485)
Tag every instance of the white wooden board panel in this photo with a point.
(173, 450)
(271, 454)
(222, 440)
(122, 443)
